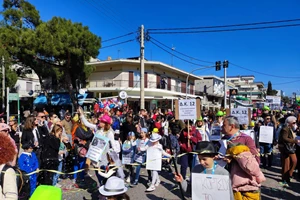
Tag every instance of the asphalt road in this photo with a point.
(271, 189)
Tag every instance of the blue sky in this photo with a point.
(269, 51)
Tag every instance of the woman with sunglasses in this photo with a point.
(286, 144)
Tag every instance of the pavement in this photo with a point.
(168, 190)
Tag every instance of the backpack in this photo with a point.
(22, 182)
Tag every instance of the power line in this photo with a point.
(276, 76)
(107, 16)
(117, 44)
(226, 26)
(285, 82)
(119, 37)
(181, 53)
(225, 30)
(180, 57)
(110, 12)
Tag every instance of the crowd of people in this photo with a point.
(60, 141)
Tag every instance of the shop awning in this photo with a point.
(40, 100)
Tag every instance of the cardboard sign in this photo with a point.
(216, 134)
(241, 114)
(97, 147)
(186, 109)
(210, 187)
(251, 133)
(154, 159)
(266, 134)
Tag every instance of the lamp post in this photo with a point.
(187, 78)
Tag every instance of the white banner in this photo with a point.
(97, 147)
(210, 187)
(154, 158)
(241, 114)
(273, 100)
(266, 134)
(187, 109)
(251, 133)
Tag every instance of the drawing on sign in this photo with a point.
(187, 109)
(97, 147)
(210, 187)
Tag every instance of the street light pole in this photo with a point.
(187, 78)
(3, 84)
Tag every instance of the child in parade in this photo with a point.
(113, 168)
(245, 173)
(28, 162)
(61, 155)
(207, 155)
(155, 137)
(128, 149)
(140, 154)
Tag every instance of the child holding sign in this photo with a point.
(155, 153)
(128, 149)
(206, 154)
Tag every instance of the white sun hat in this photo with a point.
(155, 137)
(113, 186)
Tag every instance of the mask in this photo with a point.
(295, 127)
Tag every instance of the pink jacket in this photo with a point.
(245, 172)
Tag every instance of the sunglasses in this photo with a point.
(42, 116)
(268, 118)
(294, 122)
(5, 131)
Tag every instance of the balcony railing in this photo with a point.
(136, 84)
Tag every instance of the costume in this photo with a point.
(28, 162)
(245, 173)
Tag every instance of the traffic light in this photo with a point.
(225, 64)
(218, 65)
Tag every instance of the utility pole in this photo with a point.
(3, 84)
(142, 68)
(225, 66)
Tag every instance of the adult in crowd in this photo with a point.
(233, 135)
(266, 149)
(128, 126)
(14, 130)
(50, 154)
(68, 125)
(286, 145)
(4, 130)
(188, 140)
(8, 188)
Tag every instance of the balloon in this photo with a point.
(101, 109)
(101, 105)
(111, 105)
(47, 192)
(115, 100)
(120, 104)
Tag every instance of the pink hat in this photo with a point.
(4, 126)
(259, 111)
(254, 115)
(106, 119)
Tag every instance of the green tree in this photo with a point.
(270, 90)
(285, 100)
(56, 49)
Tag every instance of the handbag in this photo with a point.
(289, 148)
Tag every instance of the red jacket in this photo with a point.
(183, 140)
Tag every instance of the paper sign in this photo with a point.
(210, 187)
(97, 147)
(251, 133)
(241, 114)
(127, 158)
(216, 133)
(187, 109)
(154, 158)
(266, 134)
(273, 100)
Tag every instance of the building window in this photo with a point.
(28, 86)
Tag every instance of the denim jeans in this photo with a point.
(56, 176)
(80, 164)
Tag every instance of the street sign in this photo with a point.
(123, 95)
(13, 96)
